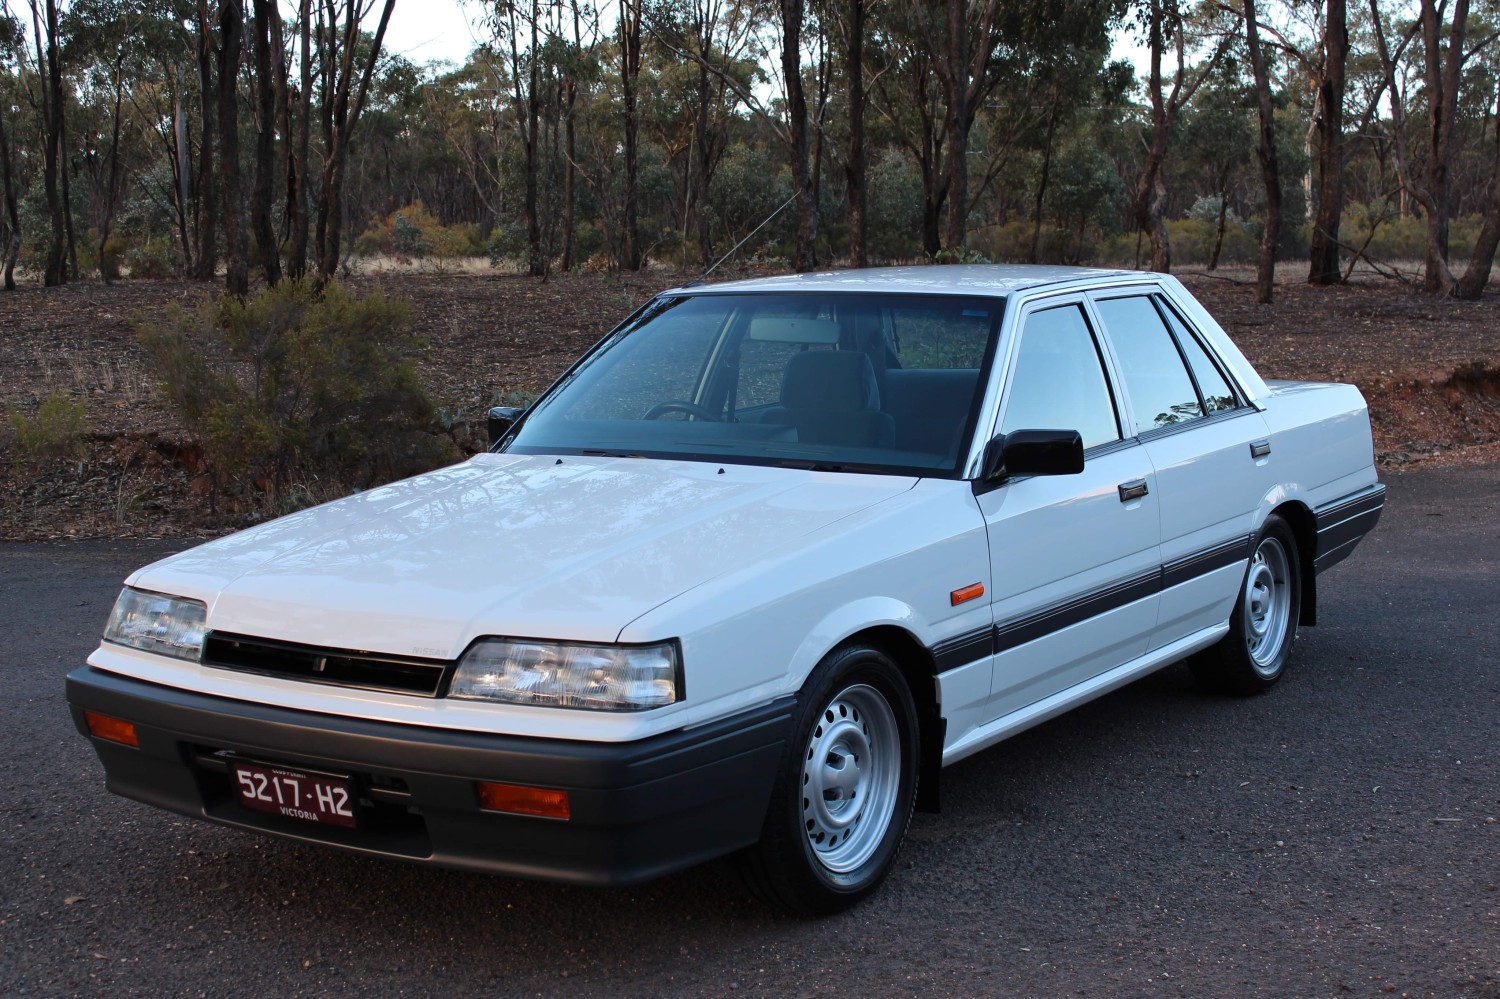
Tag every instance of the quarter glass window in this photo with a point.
(1217, 395)
(1059, 380)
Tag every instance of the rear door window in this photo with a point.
(1156, 378)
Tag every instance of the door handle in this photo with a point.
(1260, 448)
(1132, 490)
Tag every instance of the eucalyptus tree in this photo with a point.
(12, 39)
(104, 52)
(934, 78)
(49, 97)
(347, 61)
(1444, 55)
(778, 27)
(1265, 153)
(1166, 25)
(1328, 128)
(703, 45)
(270, 110)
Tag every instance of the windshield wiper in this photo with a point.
(826, 466)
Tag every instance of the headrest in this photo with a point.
(830, 379)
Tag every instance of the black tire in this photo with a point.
(1263, 627)
(855, 736)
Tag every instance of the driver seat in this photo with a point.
(831, 397)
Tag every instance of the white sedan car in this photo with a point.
(746, 578)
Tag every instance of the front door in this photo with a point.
(1075, 559)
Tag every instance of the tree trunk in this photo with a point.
(955, 82)
(805, 254)
(1482, 258)
(1323, 256)
(570, 173)
(1213, 258)
(1041, 187)
(111, 196)
(1265, 151)
(1150, 192)
(703, 152)
(854, 167)
(10, 247)
(934, 194)
(261, 196)
(56, 270)
(816, 178)
(208, 251)
(183, 168)
(347, 105)
(1442, 83)
(299, 161)
(630, 70)
(231, 40)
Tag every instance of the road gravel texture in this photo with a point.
(1337, 837)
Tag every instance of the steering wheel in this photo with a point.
(674, 406)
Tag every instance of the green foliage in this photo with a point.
(292, 385)
(961, 256)
(56, 431)
(893, 208)
(1011, 244)
(413, 233)
(1193, 241)
(151, 258)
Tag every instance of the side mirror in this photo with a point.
(1033, 452)
(500, 420)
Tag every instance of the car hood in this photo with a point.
(527, 546)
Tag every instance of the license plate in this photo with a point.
(294, 794)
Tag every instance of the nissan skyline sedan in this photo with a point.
(744, 580)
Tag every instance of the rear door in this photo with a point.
(1074, 558)
(1210, 450)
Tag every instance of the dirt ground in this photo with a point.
(1430, 369)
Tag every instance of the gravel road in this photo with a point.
(1337, 837)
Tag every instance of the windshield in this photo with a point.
(859, 382)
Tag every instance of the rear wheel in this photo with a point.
(848, 781)
(1253, 656)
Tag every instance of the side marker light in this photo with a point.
(964, 594)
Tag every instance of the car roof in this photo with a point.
(924, 279)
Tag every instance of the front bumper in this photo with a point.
(639, 809)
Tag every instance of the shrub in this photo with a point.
(1193, 240)
(294, 385)
(413, 233)
(150, 259)
(56, 431)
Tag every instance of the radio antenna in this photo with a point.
(747, 238)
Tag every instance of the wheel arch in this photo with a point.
(920, 669)
(1304, 527)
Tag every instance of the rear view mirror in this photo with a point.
(500, 420)
(1033, 452)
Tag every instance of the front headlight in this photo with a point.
(555, 674)
(154, 622)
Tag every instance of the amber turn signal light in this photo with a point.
(964, 594)
(113, 729)
(520, 800)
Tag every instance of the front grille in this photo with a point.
(339, 667)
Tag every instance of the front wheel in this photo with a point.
(1253, 656)
(848, 782)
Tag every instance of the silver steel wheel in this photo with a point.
(851, 776)
(1267, 606)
